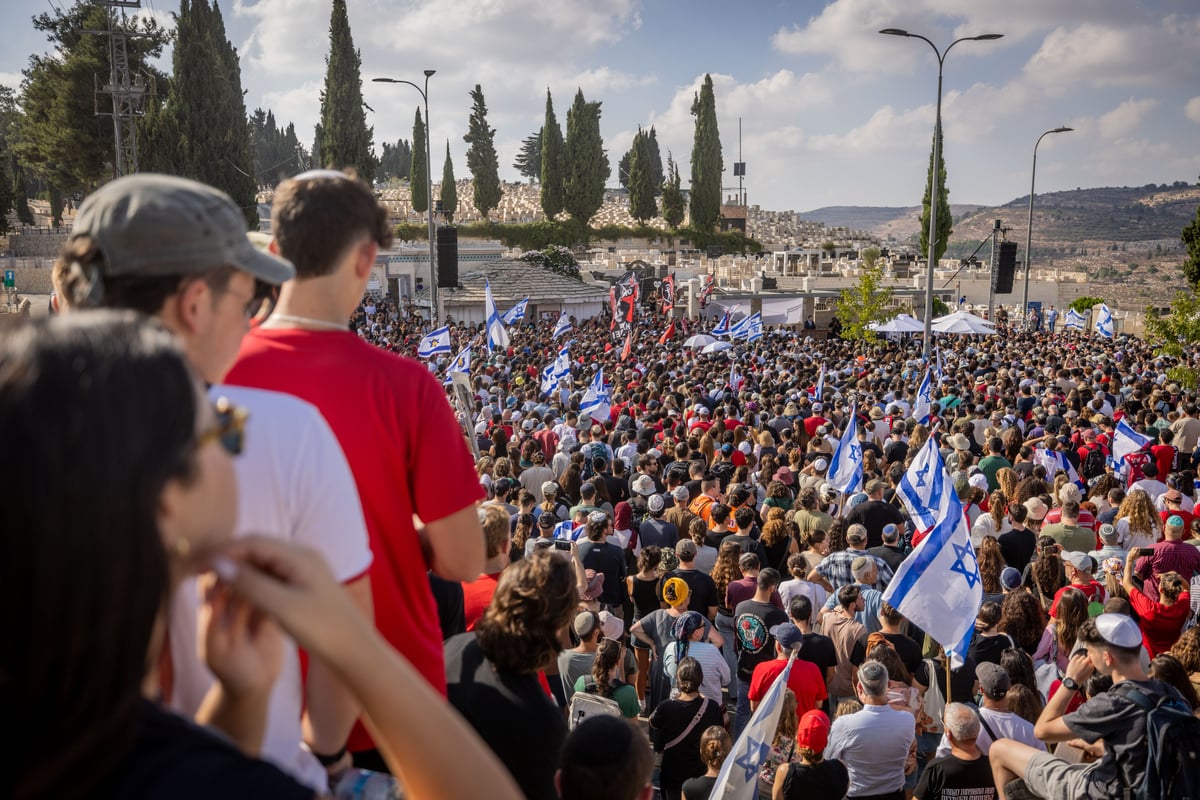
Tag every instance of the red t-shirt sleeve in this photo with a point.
(1143, 605)
(757, 680)
(443, 481)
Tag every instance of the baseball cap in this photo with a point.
(812, 732)
(676, 591)
(1078, 560)
(1173, 495)
(685, 549)
(549, 487)
(1118, 630)
(152, 225)
(787, 635)
(993, 680)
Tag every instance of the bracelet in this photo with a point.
(331, 759)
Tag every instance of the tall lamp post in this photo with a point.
(436, 295)
(1029, 227)
(936, 189)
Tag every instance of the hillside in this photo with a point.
(1126, 237)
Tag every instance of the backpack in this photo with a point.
(1173, 745)
(1093, 463)
(590, 704)
(591, 452)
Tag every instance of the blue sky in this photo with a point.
(832, 112)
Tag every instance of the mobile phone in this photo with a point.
(562, 544)
(1144, 551)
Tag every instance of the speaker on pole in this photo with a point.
(447, 257)
(1006, 267)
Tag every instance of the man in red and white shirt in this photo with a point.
(413, 470)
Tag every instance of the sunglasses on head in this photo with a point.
(230, 427)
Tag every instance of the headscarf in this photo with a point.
(676, 592)
(682, 631)
(623, 517)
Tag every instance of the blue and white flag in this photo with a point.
(557, 374)
(515, 314)
(938, 586)
(435, 342)
(597, 403)
(750, 328)
(1073, 320)
(497, 336)
(819, 392)
(1126, 440)
(562, 326)
(1055, 460)
(924, 406)
(1104, 322)
(461, 363)
(722, 328)
(845, 468)
(738, 778)
(938, 371)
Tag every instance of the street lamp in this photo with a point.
(1029, 227)
(436, 295)
(936, 189)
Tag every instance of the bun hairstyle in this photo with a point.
(715, 745)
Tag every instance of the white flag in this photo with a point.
(845, 468)
(1104, 322)
(1053, 461)
(435, 342)
(1126, 440)
(562, 326)
(596, 401)
(1074, 320)
(515, 314)
(497, 335)
(924, 406)
(738, 778)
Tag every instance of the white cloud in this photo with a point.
(1125, 118)
(1100, 55)
(12, 79)
(1192, 110)
(887, 129)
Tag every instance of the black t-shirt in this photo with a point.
(618, 489)
(175, 758)
(749, 544)
(989, 648)
(609, 559)
(824, 779)
(702, 590)
(1017, 547)
(669, 720)
(752, 622)
(657, 532)
(874, 514)
(698, 788)
(510, 712)
(893, 556)
(953, 777)
(908, 650)
(895, 451)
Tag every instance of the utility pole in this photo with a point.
(128, 90)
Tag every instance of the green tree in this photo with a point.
(552, 163)
(419, 175)
(586, 164)
(869, 256)
(1177, 329)
(529, 159)
(672, 195)
(9, 116)
(641, 191)
(704, 202)
(655, 161)
(1086, 303)
(345, 138)
(202, 131)
(449, 189)
(1191, 241)
(396, 161)
(944, 220)
(865, 302)
(59, 139)
(482, 161)
(278, 153)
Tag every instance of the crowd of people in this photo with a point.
(258, 544)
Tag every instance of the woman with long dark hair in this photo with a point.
(103, 406)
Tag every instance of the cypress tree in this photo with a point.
(482, 162)
(552, 163)
(529, 160)
(345, 137)
(586, 165)
(656, 164)
(449, 190)
(944, 221)
(641, 191)
(704, 206)
(418, 174)
(672, 195)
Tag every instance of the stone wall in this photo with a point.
(36, 245)
(32, 280)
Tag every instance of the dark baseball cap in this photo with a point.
(151, 225)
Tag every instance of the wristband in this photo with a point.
(329, 760)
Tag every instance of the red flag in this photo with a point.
(667, 334)
(612, 301)
(625, 351)
(668, 293)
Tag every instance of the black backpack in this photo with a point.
(1093, 463)
(1173, 745)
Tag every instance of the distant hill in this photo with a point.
(882, 221)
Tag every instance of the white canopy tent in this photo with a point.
(904, 323)
(963, 323)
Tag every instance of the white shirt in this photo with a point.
(873, 744)
(1005, 724)
(294, 484)
(1151, 486)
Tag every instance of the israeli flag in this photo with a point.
(435, 342)
(597, 403)
(722, 328)
(515, 314)
(562, 326)
(1073, 320)
(1126, 440)
(1053, 461)
(938, 586)
(938, 372)
(845, 468)
(738, 778)
(922, 409)
(461, 363)
(497, 336)
(1104, 322)
(557, 374)
(750, 328)
(819, 394)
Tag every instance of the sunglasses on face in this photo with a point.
(229, 429)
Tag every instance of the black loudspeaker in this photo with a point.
(447, 257)
(1006, 267)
